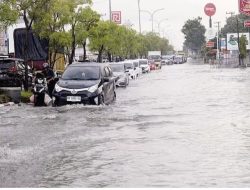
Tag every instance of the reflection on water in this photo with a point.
(184, 126)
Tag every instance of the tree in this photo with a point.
(231, 25)
(194, 33)
(11, 10)
(243, 48)
(87, 20)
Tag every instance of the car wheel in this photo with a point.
(100, 99)
(114, 98)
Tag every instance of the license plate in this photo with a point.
(74, 98)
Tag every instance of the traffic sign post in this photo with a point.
(247, 23)
(210, 10)
(116, 17)
(210, 44)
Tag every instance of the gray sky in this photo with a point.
(176, 11)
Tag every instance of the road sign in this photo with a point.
(244, 7)
(210, 9)
(210, 44)
(116, 17)
(247, 23)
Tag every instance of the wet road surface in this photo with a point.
(184, 126)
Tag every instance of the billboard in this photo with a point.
(116, 17)
(244, 7)
(232, 41)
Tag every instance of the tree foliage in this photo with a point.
(194, 33)
(231, 25)
(66, 24)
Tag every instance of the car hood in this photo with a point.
(143, 66)
(77, 84)
(119, 74)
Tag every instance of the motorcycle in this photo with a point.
(40, 92)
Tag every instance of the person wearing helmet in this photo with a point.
(49, 75)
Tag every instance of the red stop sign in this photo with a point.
(210, 9)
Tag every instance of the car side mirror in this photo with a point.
(106, 79)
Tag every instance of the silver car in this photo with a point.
(120, 73)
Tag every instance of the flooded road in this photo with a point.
(184, 126)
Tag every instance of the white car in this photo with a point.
(144, 65)
(138, 70)
(130, 69)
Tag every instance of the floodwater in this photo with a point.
(184, 126)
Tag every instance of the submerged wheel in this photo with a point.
(114, 98)
(100, 100)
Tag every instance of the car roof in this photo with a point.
(142, 59)
(93, 64)
(10, 59)
(116, 63)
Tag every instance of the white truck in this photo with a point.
(154, 58)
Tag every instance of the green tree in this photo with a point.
(231, 25)
(87, 20)
(243, 48)
(11, 10)
(194, 33)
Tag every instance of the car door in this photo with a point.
(111, 85)
(108, 85)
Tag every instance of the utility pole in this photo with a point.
(110, 11)
(139, 9)
(218, 41)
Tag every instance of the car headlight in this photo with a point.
(58, 88)
(94, 88)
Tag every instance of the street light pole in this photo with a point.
(152, 15)
(159, 24)
(139, 9)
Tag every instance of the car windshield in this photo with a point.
(136, 64)
(143, 62)
(82, 73)
(117, 68)
(6, 64)
(128, 65)
(154, 57)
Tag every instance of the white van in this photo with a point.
(138, 70)
(130, 69)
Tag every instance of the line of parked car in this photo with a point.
(96, 83)
(85, 83)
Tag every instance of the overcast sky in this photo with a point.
(175, 11)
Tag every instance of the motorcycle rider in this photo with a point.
(49, 75)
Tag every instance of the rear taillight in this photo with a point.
(13, 69)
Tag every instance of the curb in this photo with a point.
(7, 104)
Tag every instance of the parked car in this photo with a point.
(138, 70)
(119, 71)
(85, 83)
(168, 59)
(130, 69)
(15, 68)
(158, 64)
(152, 65)
(144, 65)
(178, 59)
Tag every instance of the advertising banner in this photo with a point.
(232, 41)
(244, 7)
